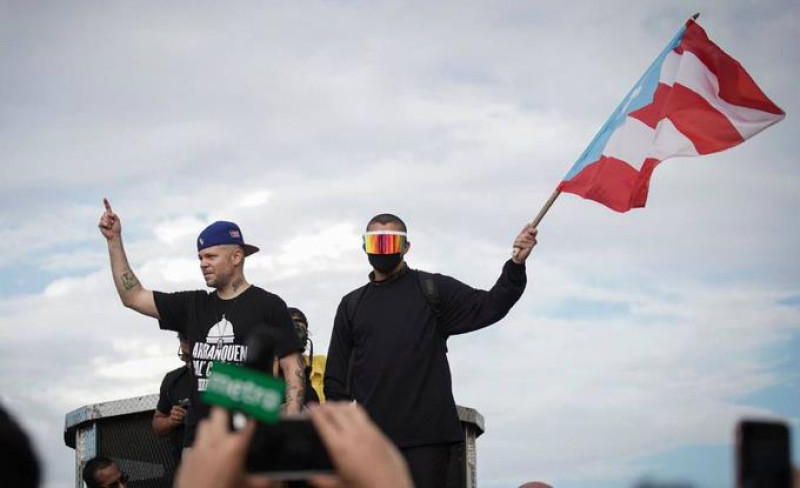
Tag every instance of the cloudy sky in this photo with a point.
(641, 338)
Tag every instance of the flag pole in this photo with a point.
(535, 222)
(540, 215)
(546, 207)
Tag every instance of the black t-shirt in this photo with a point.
(392, 350)
(176, 386)
(217, 331)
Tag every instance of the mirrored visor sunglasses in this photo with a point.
(385, 242)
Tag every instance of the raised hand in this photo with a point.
(217, 458)
(130, 290)
(362, 455)
(177, 415)
(524, 243)
(109, 225)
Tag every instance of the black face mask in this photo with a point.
(385, 262)
(302, 333)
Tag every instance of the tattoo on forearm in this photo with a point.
(128, 280)
(296, 392)
(295, 396)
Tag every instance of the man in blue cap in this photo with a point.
(217, 323)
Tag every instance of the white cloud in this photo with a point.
(576, 385)
(181, 229)
(254, 199)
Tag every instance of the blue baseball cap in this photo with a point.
(220, 233)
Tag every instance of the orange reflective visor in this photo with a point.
(385, 242)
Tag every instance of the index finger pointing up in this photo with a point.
(107, 205)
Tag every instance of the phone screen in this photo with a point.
(290, 449)
(763, 457)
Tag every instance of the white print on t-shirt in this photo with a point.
(218, 346)
(221, 332)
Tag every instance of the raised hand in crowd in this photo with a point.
(166, 424)
(217, 457)
(177, 415)
(361, 454)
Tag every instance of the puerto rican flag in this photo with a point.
(694, 99)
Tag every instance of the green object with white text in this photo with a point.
(246, 390)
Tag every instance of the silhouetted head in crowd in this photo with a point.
(102, 472)
(184, 352)
(300, 324)
(20, 467)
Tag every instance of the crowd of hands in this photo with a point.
(361, 454)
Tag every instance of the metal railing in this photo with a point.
(121, 430)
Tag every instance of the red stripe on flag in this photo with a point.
(652, 113)
(612, 182)
(708, 129)
(735, 84)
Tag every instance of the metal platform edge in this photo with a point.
(91, 412)
(471, 416)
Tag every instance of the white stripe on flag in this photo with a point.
(632, 142)
(689, 71)
(670, 142)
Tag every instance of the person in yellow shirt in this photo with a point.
(315, 365)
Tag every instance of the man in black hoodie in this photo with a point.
(388, 346)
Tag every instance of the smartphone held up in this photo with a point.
(763, 454)
(283, 447)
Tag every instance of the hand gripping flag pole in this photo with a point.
(694, 99)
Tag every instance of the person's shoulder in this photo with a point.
(422, 275)
(186, 297)
(174, 373)
(354, 294)
(191, 294)
(436, 283)
(178, 371)
(357, 290)
(263, 296)
(260, 292)
(423, 272)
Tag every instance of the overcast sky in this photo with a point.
(641, 338)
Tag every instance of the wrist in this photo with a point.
(519, 261)
(114, 241)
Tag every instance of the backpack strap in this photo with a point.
(352, 300)
(427, 284)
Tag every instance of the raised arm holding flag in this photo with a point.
(694, 99)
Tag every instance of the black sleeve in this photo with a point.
(465, 309)
(164, 405)
(173, 308)
(288, 342)
(338, 362)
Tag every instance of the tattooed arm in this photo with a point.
(293, 369)
(131, 292)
